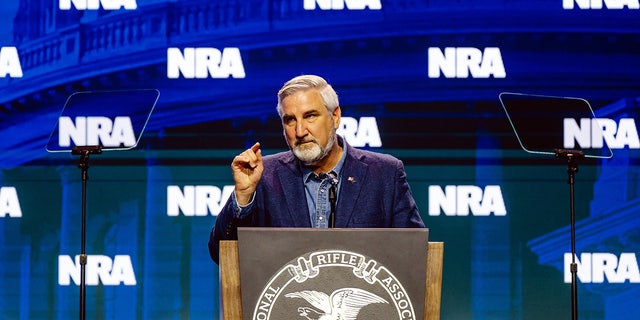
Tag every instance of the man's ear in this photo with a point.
(336, 117)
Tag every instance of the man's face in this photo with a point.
(308, 126)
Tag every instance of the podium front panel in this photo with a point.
(301, 273)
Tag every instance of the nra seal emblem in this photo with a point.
(333, 285)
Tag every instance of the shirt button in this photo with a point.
(321, 190)
(320, 218)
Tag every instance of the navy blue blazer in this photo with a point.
(374, 193)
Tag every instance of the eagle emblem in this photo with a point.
(343, 304)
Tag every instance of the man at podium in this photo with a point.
(322, 182)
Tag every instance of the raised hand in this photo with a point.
(247, 170)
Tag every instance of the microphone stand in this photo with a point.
(332, 201)
(572, 157)
(333, 197)
(84, 152)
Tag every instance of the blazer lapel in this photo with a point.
(354, 173)
(293, 188)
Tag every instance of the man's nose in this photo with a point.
(301, 129)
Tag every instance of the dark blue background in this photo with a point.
(447, 131)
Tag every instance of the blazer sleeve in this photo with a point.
(226, 227)
(406, 213)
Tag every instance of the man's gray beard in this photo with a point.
(314, 154)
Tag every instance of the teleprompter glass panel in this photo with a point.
(113, 120)
(545, 124)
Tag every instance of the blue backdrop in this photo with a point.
(417, 79)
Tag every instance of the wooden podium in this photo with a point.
(232, 299)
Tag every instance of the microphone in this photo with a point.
(333, 197)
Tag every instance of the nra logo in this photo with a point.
(304, 282)
(10, 63)
(342, 4)
(593, 133)
(99, 268)
(91, 131)
(462, 200)
(9, 203)
(360, 132)
(98, 4)
(464, 62)
(202, 63)
(600, 4)
(600, 267)
(196, 200)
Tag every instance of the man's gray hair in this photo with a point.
(309, 82)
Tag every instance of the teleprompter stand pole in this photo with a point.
(84, 152)
(572, 157)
